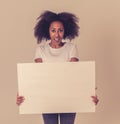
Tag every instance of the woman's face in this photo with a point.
(56, 32)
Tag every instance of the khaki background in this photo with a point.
(98, 40)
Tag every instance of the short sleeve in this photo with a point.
(38, 52)
(74, 51)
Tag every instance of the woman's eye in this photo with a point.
(61, 30)
(52, 30)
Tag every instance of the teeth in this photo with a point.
(56, 38)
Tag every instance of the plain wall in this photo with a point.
(98, 41)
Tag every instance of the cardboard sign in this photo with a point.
(56, 87)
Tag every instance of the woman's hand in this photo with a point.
(38, 60)
(20, 99)
(74, 59)
(95, 99)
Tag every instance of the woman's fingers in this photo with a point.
(95, 99)
(20, 99)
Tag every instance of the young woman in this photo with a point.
(54, 28)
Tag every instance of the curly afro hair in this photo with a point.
(69, 21)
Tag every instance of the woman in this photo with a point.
(54, 28)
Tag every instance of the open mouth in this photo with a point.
(57, 39)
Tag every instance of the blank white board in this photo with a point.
(56, 87)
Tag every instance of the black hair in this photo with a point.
(69, 21)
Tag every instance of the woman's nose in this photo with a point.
(57, 34)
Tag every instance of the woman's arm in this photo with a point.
(20, 99)
(94, 98)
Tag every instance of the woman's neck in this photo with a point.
(55, 45)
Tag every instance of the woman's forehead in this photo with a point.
(56, 24)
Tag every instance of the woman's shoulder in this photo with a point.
(42, 46)
(70, 44)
